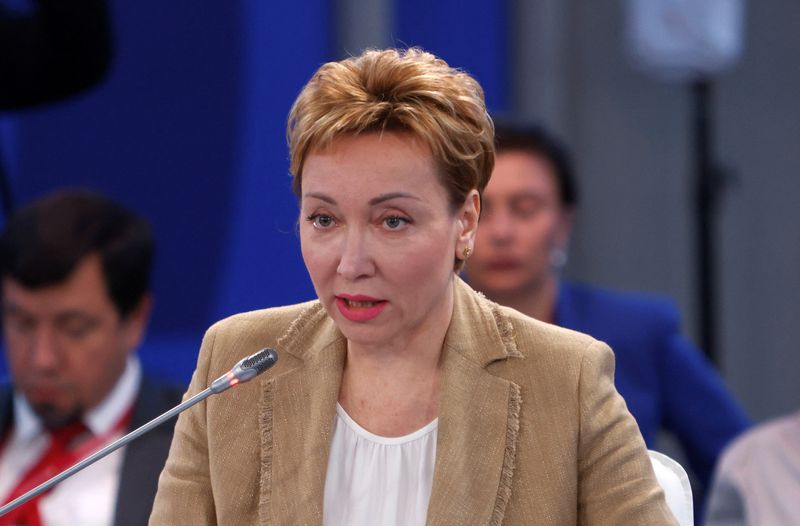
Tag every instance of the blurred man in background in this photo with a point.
(75, 271)
(521, 246)
(757, 480)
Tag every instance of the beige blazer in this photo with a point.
(531, 429)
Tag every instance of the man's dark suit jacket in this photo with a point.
(144, 457)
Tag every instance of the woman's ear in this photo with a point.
(468, 221)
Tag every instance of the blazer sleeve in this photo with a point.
(184, 488)
(616, 480)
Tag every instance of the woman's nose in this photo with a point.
(356, 260)
(499, 226)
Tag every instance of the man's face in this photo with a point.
(67, 344)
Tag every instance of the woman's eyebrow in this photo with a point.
(321, 197)
(391, 195)
(374, 201)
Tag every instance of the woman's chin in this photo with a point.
(364, 335)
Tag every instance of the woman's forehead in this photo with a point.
(370, 157)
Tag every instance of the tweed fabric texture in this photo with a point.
(531, 428)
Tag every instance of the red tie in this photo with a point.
(59, 456)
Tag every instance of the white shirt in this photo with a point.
(87, 498)
(378, 481)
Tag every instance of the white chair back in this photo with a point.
(675, 483)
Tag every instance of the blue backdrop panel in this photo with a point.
(284, 45)
(189, 130)
(468, 34)
(157, 135)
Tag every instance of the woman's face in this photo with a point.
(379, 238)
(523, 222)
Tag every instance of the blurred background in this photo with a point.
(188, 129)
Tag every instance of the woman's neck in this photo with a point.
(392, 401)
(537, 300)
(393, 389)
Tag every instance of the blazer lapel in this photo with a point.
(479, 418)
(296, 419)
(477, 430)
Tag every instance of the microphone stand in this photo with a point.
(243, 371)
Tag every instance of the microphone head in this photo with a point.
(245, 370)
(260, 361)
(255, 364)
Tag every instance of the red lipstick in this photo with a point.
(359, 308)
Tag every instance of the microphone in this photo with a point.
(245, 370)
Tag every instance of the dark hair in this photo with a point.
(44, 241)
(535, 139)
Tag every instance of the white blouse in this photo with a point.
(378, 481)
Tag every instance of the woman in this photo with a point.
(401, 395)
(526, 222)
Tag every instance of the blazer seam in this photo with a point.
(580, 423)
(506, 331)
(509, 457)
(265, 421)
(212, 333)
(293, 332)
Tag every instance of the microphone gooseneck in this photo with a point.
(246, 369)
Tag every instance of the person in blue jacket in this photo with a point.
(527, 217)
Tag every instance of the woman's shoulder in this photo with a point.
(633, 308)
(282, 328)
(530, 342)
(544, 345)
(273, 319)
(530, 328)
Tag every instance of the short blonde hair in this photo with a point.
(398, 90)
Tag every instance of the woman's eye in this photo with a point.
(527, 206)
(394, 222)
(321, 221)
